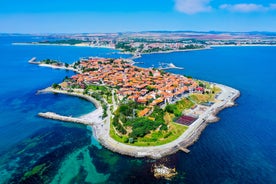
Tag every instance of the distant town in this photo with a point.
(154, 42)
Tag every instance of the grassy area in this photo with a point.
(103, 91)
(179, 107)
(153, 139)
(201, 98)
(115, 136)
(216, 89)
(97, 88)
(162, 137)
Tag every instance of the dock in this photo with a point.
(185, 150)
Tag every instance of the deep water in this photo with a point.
(240, 148)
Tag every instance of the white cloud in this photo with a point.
(272, 6)
(246, 8)
(192, 6)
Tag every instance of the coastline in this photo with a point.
(171, 51)
(32, 61)
(88, 98)
(57, 67)
(62, 44)
(101, 128)
(94, 117)
(247, 45)
(160, 52)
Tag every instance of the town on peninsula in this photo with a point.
(141, 112)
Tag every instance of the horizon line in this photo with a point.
(145, 31)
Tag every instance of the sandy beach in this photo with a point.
(64, 44)
(95, 115)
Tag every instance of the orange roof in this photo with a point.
(142, 100)
(143, 112)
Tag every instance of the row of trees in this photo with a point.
(192, 46)
(69, 41)
(54, 62)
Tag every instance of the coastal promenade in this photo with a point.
(101, 128)
(226, 99)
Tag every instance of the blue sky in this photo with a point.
(75, 16)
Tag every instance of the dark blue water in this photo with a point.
(240, 148)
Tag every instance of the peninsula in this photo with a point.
(140, 112)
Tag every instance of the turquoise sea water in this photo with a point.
(240, 148)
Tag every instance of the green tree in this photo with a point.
(56, 86)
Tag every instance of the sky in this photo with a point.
(105, 16)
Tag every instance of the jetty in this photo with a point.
(185, 150)
(54, 116)
(33, 61)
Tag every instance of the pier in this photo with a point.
(185, 150)
(52, 115)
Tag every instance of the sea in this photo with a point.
(239, 148)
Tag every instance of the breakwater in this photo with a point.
(52, 115)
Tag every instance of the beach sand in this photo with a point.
(95, 116)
